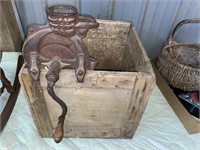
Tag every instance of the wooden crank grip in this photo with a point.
(59, 131)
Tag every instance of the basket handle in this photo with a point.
(170, 39)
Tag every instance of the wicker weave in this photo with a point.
(179, 63)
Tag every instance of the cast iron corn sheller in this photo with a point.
(59, 45)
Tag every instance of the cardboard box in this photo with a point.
(191, 123)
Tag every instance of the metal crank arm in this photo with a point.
(52, 77)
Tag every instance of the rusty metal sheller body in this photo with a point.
(58, 45)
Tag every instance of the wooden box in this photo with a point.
(113, 97)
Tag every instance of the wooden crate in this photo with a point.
(112, 99)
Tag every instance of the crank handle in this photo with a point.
(52, 77)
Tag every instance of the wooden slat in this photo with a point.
(37, 106)
(92, 132)
(141, 93)
(10, 38)
(5, 40)
(94, 79)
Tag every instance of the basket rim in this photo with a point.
(181, 65)
(174, 60)
(179, 44)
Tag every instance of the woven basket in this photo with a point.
(179, 63)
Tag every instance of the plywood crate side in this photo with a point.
(135, 57)
(107, 43)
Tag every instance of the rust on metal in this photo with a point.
(59, 45)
